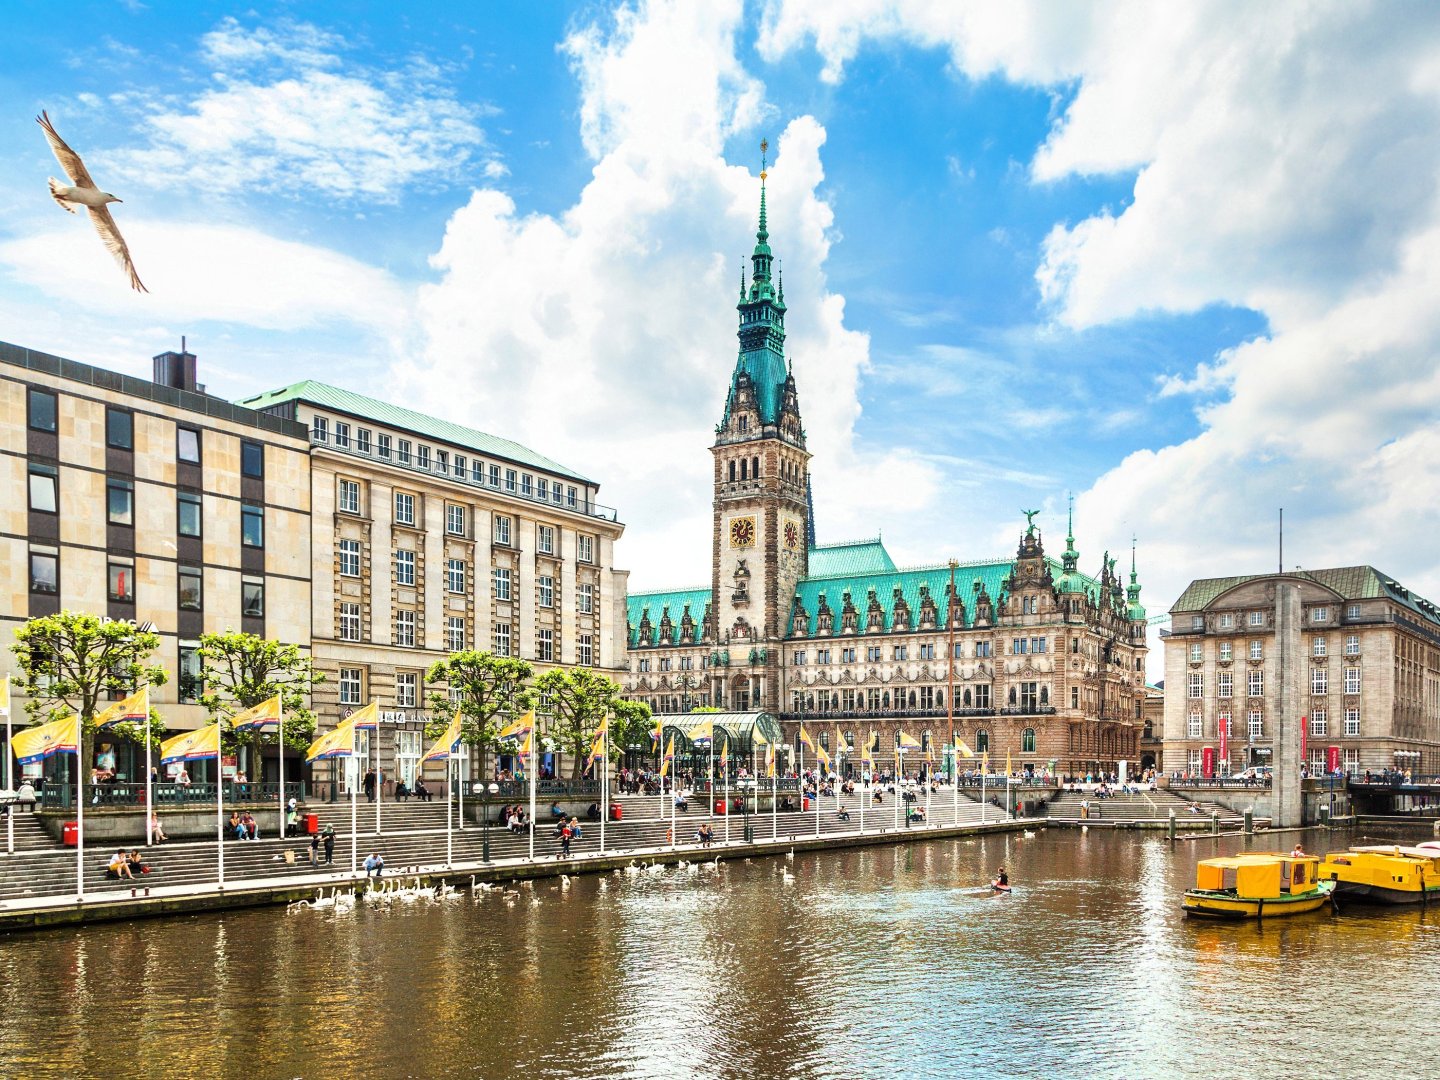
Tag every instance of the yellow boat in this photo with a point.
(1384, 875)
(1255, 886)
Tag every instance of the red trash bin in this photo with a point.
(70, 833)
(720, 806)
(312, 824)
(805, 803)
(616, 811)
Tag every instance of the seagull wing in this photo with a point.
(69, 160)
(110, 234)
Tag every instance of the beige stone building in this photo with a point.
(150, 501)
(431, 537)
(1368, 683)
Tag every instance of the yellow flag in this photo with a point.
(769, 761)
(965, 751)
(447, 744)
(37, 743)
(668, 758)
(191, 745)
(805, 739)
(658, 730)
(1007, 762)
(908, 742)
(134, 707)
(821, 755)
(520, 727)
(266, 714)
(333, 744)
(704, 733)
(5, 696)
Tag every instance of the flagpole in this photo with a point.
(280, 712)
(984, 768)
(220, 809)
(460, 792)
(534, 769)
(10, 775)
(725, 784)
(955, 777)
(79, 808)
(354, 808)
(449, 811)
(864, 791)
(605, 789)
(774, 796)
(899, 786)
(379, 785)
(149, 782)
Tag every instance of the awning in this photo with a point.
(739, 729)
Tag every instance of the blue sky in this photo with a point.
(1175, 259)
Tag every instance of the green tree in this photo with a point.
(73, 662)
(630, 725)
(488, 690)
(577, 699)
(238, 671)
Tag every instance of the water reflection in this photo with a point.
(858, 963)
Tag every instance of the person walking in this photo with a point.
(369, 785)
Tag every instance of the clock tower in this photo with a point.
(761, 506)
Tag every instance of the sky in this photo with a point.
(1178, 260)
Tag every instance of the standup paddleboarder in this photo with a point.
(1002, 881)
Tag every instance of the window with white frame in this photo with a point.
(407, 755)
(585, 650)
(350, 685)
(1352, 721)
(1225, 650)
(407, 689)
(1319, 723)
(477, 471)
(1255, 722)
(1197, 652)
(442, 462)
(1196, 762)
(872, 653)
(349, 497)
(502, 639)
(1197, 622)
(1352, 680)
(1195, 726)
(527, 485)
(542, 489)
(1257, 650)
(502, 583)
(455, 633)
(1257, 618)
(510, 479)
(362, 440)
(455, 575)
(798, 657)
(404, 508)
(1319, 681)
(1318, 646)
(901, 652)
(454, 519)
(404, 567)
(555, 494)
(1196, 684)
(382, 445)
(1037, 645)
(422, 456)
(1353, 611)
(402, 451)
(495, 476)
(585, 598)
(349, 558)
(570, 497)
(545, 645)
(545, 540)
(405, 628)
(1227, 620)
(546, 584)
(1255, 683)
(1352, 644)
(1225, 684)
(585, 548)
(1320, 614)
(349, 622)
(320, 429)
(501, 531)
(342, 434)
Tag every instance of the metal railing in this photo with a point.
(61, 796)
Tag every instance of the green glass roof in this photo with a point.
(383, 412)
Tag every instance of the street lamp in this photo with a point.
(490, 789)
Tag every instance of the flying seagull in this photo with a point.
(85, 193)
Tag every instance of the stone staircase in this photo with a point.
(29, 834)
(414, 835)
(1145, 806)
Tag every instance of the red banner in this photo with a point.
(1207, 762)
(1332, 758)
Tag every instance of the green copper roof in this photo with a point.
(1348, 582)
(656, 603)
(850, 557)
(383, 412)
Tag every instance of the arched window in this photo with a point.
(732, 472)
(1027, 741)
(743, 464)
(755, 467)
(982, 741)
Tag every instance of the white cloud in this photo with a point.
(606, 332)
(1286, 160)
(287, 113)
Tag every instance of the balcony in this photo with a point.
(435, 472)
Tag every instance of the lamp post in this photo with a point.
(490, 789)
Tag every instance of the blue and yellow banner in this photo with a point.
(447, 744)
(519, 728)
(266, 714)
(191, 745)
(963, 750)
(333, 744)
(134, 707)
(907, 742)
(38, 743)
(366, 718)
(668, 758)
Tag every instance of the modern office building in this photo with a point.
(1365, 675)
(430, 537)
(154, 502)
(1025, 656)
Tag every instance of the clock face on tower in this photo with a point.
(792, 536)
(742, 532)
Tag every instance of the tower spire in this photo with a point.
(1071, 558)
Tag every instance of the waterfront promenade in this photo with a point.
(38, 887)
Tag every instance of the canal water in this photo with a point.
(889, 961)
